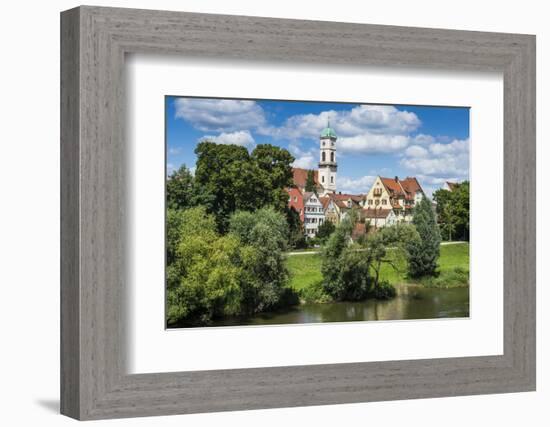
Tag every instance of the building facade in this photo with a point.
(398, 195)
(388, 201)
(314, 214)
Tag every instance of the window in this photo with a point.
(323, 179)
(332, 180)
(377, 202)
(332, 156)
(323, 156)
(384, 201)
(370, 201)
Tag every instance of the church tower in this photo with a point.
(327, 160)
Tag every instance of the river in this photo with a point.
(411, 302)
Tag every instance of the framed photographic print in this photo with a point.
(262, 213)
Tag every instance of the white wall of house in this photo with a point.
(314, 215)
(377, 196)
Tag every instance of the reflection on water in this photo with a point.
(411, 302)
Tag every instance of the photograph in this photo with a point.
(301, 212)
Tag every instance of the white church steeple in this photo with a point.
(327, 159)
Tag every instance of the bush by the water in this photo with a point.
(351, 271)
(314, 293)
(455, 278)
(384, 290)
(240, 273)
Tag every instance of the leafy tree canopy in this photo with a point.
(228, 178)
(179, 189)
(423, 253)
(453, 211)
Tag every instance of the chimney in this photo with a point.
(396, 178)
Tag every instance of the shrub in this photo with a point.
(315, 293)
(345, 270)
(211, 276)
(202, 278)
(384, 290)
(455, 278)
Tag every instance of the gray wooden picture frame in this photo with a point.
(94, 381)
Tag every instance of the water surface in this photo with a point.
(411, 302)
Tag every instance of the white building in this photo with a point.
(314, 214)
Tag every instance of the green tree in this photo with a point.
(228, 178)
(265, 236)
(296, 233)
(204, 275)
(345, 271)
(179, 189)
(310, 182)
(453, 211)
(325, 230)
(423, 253)
(275, 163)
(389, 246)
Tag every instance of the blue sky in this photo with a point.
(431, 143)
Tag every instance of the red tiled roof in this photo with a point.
(355, 197)
(410, 185)
(299, 176)
(400, 188)
(341, 204)
(324, 201)
(393, 186)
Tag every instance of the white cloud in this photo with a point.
(220, 115)
(416, 151)
(307, 159)
(241, 137)
(368, 143)
(175, 150)
(438, 163)
(374, 128)
(423, 139)
(355, 185)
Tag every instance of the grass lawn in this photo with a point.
(305, 270)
